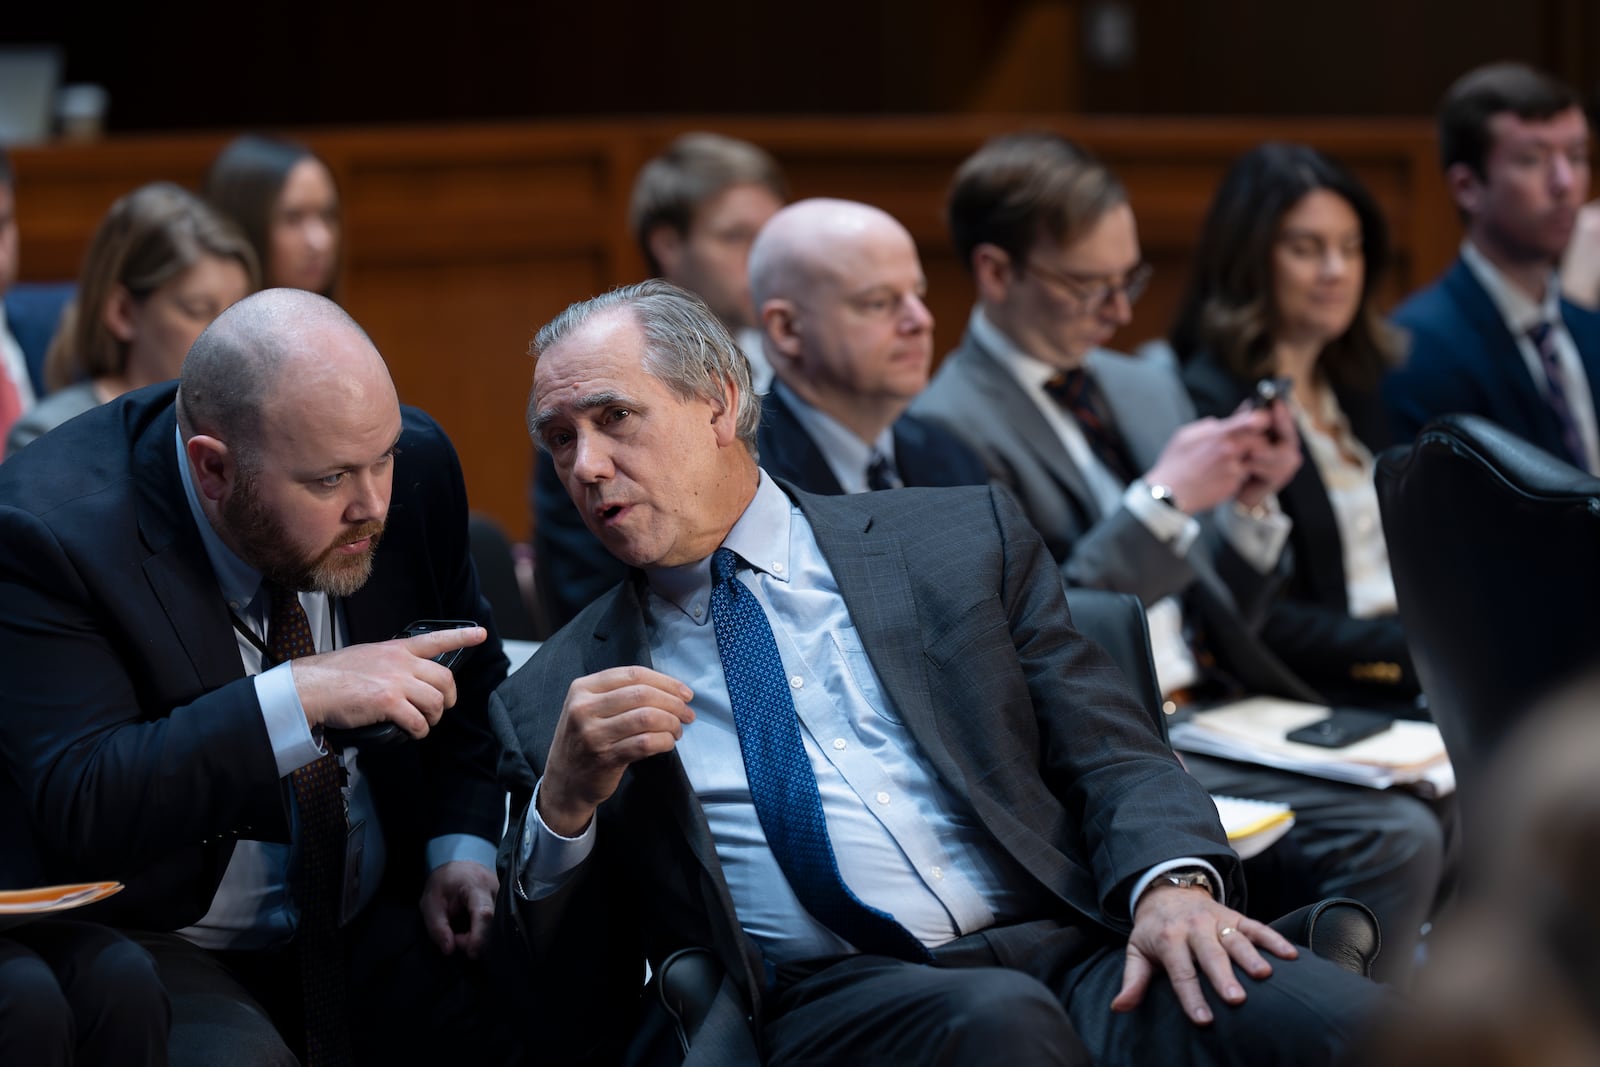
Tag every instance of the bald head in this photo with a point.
(838, 288)
(804, 244)
(279, 347)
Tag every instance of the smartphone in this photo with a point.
(387, 733)
(1343, 727)
(1269, 390)
(427, 626)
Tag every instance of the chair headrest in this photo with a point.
(1521, 467)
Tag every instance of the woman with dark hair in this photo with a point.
(285, 200)
(1289, 257)
(159, 268)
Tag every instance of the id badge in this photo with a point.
(354, 849)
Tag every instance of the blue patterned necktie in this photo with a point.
(782, 783)
(1544, 342)
(316, 885)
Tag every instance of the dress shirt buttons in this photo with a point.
(777, 568)
(882, 798)
(938, 874)
(697, 611)
(797, 682)
(839, 743)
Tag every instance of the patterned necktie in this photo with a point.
(1077, 392)
(782, 783)
(881, 473)
(1544, 342)
(317, 887)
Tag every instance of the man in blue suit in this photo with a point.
(1493, 336)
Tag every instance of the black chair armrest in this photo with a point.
(1340, 930)
(687, 985)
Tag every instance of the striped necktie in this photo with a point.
(1543, 337)
(317, 883)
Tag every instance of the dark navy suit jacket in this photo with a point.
(132, 742)
(574, 569)
(1463, 359)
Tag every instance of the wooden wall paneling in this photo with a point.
(463, 240)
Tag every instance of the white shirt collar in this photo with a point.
(846, 454)
(760, 538)
(1520, 313)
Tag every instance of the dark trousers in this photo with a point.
(77, 992)
(1040, 993)
(408, 1003)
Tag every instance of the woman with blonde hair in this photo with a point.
(160, 267)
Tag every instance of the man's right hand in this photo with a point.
(609, 721)
(1204, 461)
(391, 681)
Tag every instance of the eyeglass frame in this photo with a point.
(1133, 286)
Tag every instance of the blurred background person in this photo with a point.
(1492, 336)
(284, 199)
(161, 266)
(1513, 977)
(695, 211)
(1288, 261)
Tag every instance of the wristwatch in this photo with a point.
(1162, 494)
(1189, 878)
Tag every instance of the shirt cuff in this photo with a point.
(1172, 865)
(545, 859)
(1166, 523)
(292, 744)
(1257, 534)
(447, 848)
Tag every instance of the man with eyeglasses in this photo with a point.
(1131, 492)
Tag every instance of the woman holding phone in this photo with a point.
(1289, 257)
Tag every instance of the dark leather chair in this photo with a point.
(1341, 930)
(1495, 547)
(497, 578)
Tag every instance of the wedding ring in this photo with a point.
(1225, 931)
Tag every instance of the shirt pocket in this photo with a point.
(859, 676)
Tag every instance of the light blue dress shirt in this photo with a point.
(252, 907)
(904, 842)
(846, 454)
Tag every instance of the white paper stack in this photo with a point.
(1409, 753)
(1253, 826)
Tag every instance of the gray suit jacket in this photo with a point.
(1024, 721)
(978, 399)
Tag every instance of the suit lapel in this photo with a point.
(1510, 384)
(1026, 423)
(177, 568)
(871, 569)
(619, 639)
(787, 451)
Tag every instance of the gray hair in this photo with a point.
(686, 348)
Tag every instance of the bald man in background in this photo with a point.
(839, 290)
